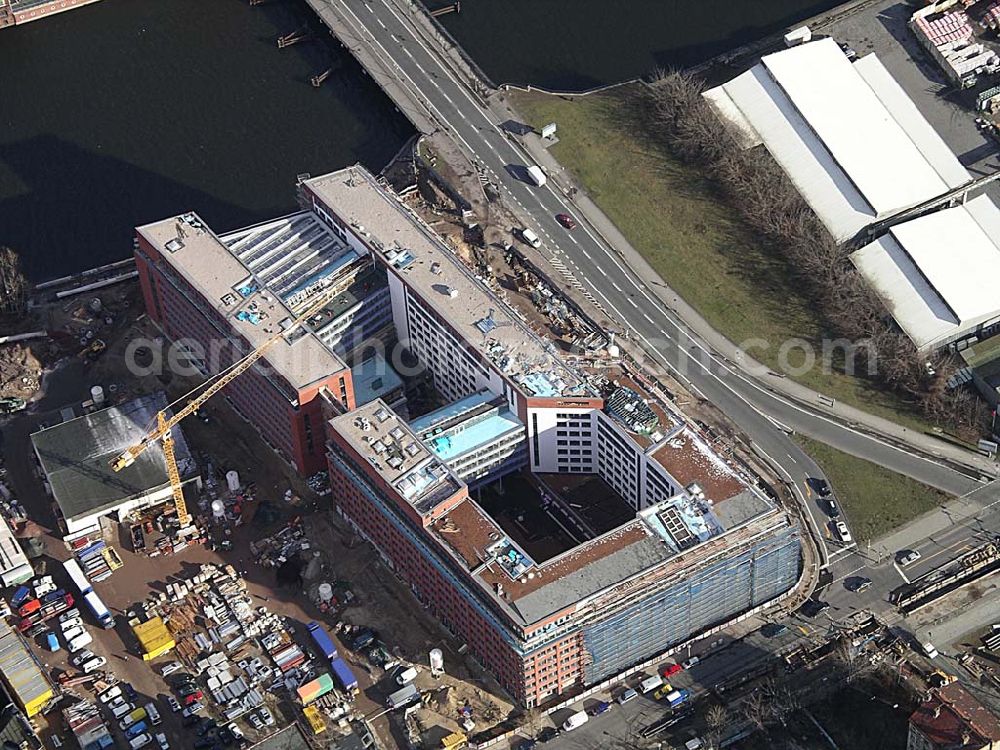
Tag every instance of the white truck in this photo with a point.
(536, 175)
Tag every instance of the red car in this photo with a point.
(566, 220)
(193, 698)
(670, 670)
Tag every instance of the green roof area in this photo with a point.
(984, 358)
(76, 457)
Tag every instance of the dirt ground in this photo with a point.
(226, 442)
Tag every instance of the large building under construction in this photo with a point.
(694, 544)
(563, 523)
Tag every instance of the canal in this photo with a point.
(128, 111)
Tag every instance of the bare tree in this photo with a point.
(756, 711)
(715, 720)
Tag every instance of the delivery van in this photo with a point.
(650, 684)
(536, 175)
(576, 720)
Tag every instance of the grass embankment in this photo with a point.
(698, 245)
(875, 500)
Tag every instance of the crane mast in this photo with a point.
(164, 424)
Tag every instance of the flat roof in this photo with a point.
(404, 242)
(935, 273)
(235, 293)
(458, 428)
(12, 554)
(76, 457)
(373, 379)
(690, 460)
(847, 134)
(398, 456)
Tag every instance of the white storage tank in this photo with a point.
(437, 661)
(233, 481)
(218, 508)
(325, 593)
(97, 395)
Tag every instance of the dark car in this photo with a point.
(204, 742)
(599, 709)
(820, 486)
(813, 607)
(773, 629)
(190, 721)
(207, 726)
(858, 584)
(526, 745)
(566, 220)
(363, 638)
(129, 691)
(547, 734)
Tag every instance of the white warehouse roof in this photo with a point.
(937, 274)
(848, 136)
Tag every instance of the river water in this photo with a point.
(128, 111)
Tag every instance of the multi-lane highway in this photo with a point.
(388, 32)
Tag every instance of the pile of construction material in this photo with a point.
(947, 32)
(97, 559)
(85, 722)
(277, 549)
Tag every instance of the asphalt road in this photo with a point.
(764, 416)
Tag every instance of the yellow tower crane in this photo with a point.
(161, 432)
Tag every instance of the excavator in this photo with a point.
(164, 423)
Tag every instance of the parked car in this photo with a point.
(688, 663)
(169, 669)
(193, 709)
(73, 622)
(599, 709)
(72, 633)
(669, 670)
(174, 705)
(255, 722)
(161, 740)
(121, 709)
(773, 629)
(813, 607)
(662, 692)
(141, 741)
(267, 717)
(547, 734)
(908, 557)
(70, 614)
(81, 657)
(842, 532)
(929, 650)
(860, 584)
(110, 694)
(193, 697)
(626, 695)
(190, 720)
(832, 509)
(566, 220)
(37, 629)
(92, 665)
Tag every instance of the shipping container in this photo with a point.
(404, 697)
(343, 674)
(315, 689)
(322, 640)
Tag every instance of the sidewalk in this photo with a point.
(703, 333)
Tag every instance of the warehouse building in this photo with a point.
(848, 136)
(75, 458)
(21, 673)
(700, 545)
(14, 565)
(935, 273)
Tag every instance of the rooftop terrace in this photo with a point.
(454, 430)
(237, 294)
(380, 437)
(408, 246)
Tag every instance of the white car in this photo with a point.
(266, 717)
(116, 702)
(141, 741)
(908, 557)
(72, 622)
(161, 740)
(69, 614)
(531, 238)
(81, 657)
(255, 722)
(170, 668)
(121, 709)
(843, 533)
(71, 633)
(92, 665)
(110, 694)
